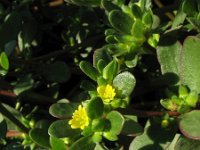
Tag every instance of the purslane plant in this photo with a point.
(140, 91)
(133, 28)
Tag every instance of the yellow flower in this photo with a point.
(106, 92)
(79, 119)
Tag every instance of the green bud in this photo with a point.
(183, 91)
(165, 123)
(169, 104)
(192, 99)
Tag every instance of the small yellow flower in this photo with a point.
(79, 119)
(106, 92)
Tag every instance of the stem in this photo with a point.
(7, 114)
(13, 133)
(146, 113)
(8, 94)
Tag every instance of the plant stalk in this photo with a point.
(7, 114)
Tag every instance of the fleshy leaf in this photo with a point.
(110, 70)
(61, 129)
(121, 21)
(40, 136)
(84, 143)
(190, 63)
(63, 110)
(4, 62)
(124, 83)
(89, 70)
(184, 143)
(95, 108)
(57, 144)
(117, 122)
(189, 124)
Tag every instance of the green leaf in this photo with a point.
(182, 91)
(110, 71)
(189, 124)
(110, 136)
(137, 12)
(132, 128)
(179, 19)
(101, 65)
(89, 70)
(95, 108)
(184, 143)
(124, 83)
(121, 21)
(84, 143)
(97, 137)
(98, 125)
(63, 110)
(61, 129)
(154, 137)
(189, 7)
(138, 31)
(190, 63)
(147, 19)
(192, 99)
(3, 127)
(117, 122)
(56, 72)
(169, 56)
(101, 54)
(109, 6)
(40, 137)
(4, 62)
(57, 144)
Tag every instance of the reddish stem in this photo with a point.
(144, 113)
(8, 93)
(13, 133)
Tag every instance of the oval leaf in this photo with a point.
(61, 129)
(95, 108)
(63, 110)
(187, 144)
(84, 143)
(190, 63)
(89, 70)
(124, 83)
(189, 124)
(4, 61)
(57, 144)
(40, 136)
(121, 21)
(116, 122)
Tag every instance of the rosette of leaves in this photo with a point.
(184, 102)
(131, 25)
(106, 73)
